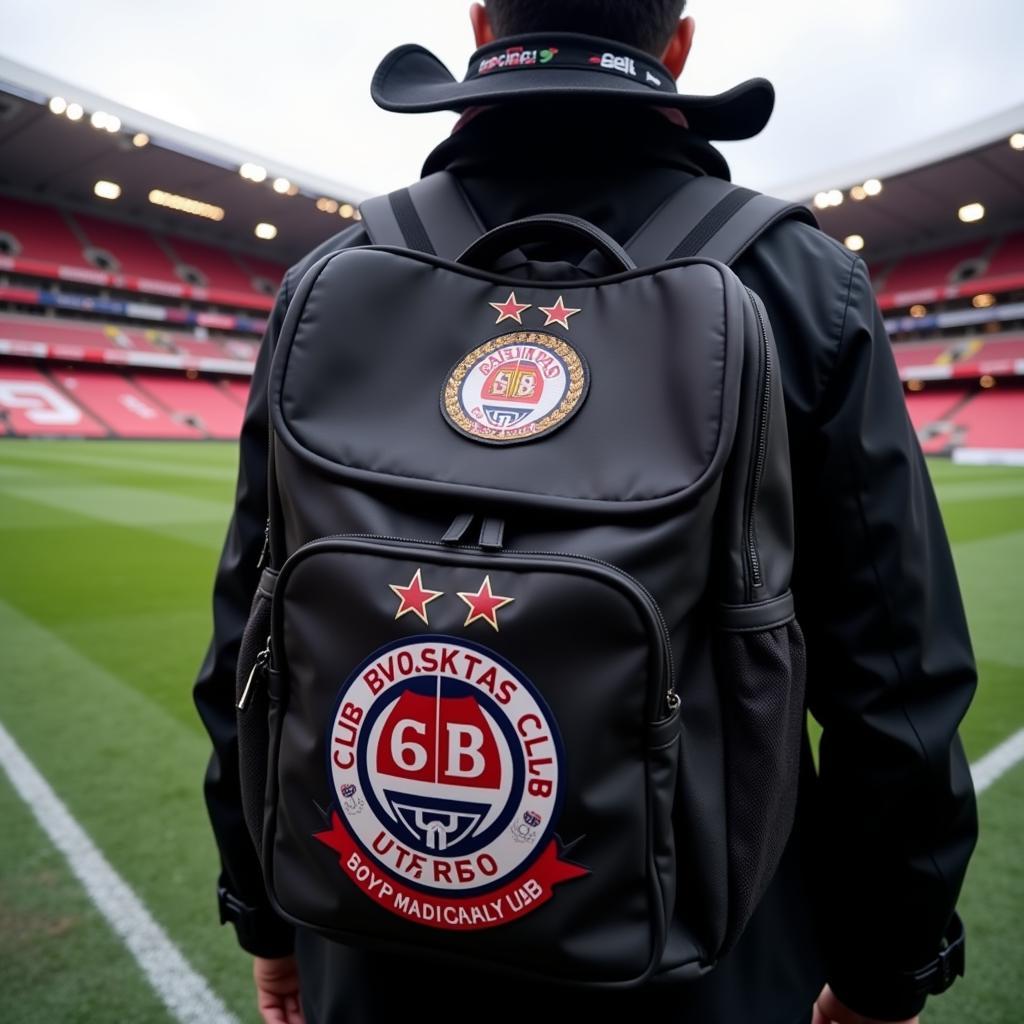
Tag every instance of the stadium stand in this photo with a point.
(46, 242)
(928, 271)
(218, 269)
(39, 233)
(32, 406)
(81, 340)
(136, 251)
(1008, 259)
(117, 329)
(238, 390)
(992, 419)
(122, 408)
(55, 333)
(200, 403)
(928, 408)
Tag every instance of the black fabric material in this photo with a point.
(706, 229)
(413, 231)
(253, 735)
(762, 676)
(890, 671)
(411, 79)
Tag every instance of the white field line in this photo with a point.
(184, 992)
(998, 761)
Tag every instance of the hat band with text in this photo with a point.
(594, 55)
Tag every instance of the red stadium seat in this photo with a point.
(930, 269)
(218, 267)
(122, 407)
(41, 233)
(135, 250)
(271, 272)
(238, 390)
(993, 419)
(53, 331)
(32, 405)
(199, 401)
(920, 354)
(930, 407)
(1008, 258)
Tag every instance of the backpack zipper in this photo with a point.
(760, 446)
(259, 666)
(672, 700)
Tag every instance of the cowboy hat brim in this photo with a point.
(411, 79)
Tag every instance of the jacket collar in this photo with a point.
(570, 136)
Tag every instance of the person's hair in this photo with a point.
(646, 24)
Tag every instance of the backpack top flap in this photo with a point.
(402, 369)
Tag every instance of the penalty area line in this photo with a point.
(187, 996)
(998, 761)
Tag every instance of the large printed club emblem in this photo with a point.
(447, 772)
(515, 388)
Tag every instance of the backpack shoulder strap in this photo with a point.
(714, 218)
(433, 216)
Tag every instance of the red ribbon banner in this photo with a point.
(524, 894)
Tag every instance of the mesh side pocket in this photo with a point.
(253, 729)
(761, 682)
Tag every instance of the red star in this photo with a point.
(484, 604)
(414, 597)
(559, 313)
(509, 309)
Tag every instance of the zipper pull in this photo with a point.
(492, 534)
(259, 666)
(266, 546)
(460, 524)
(672, 700)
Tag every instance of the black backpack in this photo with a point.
(532, 697)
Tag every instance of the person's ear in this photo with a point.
(678, 49)
(481, 20)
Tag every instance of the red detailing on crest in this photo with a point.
(509, 309)
(484, 604)
(516, 381)
(524, 894)
(559, 313)
(446, 741)
(414, 597)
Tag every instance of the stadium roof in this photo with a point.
(51, 158)
(922, 187)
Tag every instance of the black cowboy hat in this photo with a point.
(549, 65)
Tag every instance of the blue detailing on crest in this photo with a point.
(503, 418)
(439, 825)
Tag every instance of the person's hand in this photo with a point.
(828, 1010)
(277, 990)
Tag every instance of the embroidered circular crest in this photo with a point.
(446, 767)
(515, 387)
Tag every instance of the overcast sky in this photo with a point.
(290, 79)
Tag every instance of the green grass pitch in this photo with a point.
(106, 558)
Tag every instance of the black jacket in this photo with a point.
(886, 828)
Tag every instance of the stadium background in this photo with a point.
(137, 265)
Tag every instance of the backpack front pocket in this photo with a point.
(474, 754)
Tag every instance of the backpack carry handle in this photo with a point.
(484, 252)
